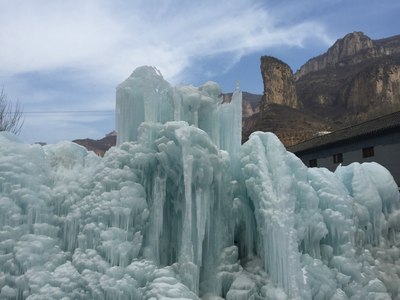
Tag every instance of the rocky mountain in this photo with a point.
(280, 109)
(99, 146)
(352, 49)
(355, 80)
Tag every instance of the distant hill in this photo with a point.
(99, 146)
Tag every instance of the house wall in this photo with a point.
(386, 152)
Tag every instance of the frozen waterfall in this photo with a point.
(181, 210)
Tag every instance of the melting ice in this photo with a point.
(180, 210)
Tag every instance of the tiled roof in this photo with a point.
(378, 125)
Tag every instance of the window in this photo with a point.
(368, 152)
(338, 158)
(313, 163)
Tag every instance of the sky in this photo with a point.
(63, 59)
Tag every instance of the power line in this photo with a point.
(69, 112)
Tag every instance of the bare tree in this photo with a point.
(10, 115)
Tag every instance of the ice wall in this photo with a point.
(181, 210)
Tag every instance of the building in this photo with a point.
(375, 140)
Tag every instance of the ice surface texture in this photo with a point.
(181, 210)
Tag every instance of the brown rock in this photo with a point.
(352, 49)
(101, 146)
(279, 85)
(349, 45)
(375, 90)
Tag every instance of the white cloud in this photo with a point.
(107, 41)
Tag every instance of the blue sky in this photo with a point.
(60, 56)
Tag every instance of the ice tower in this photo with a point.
(192, 182)
(146, 97)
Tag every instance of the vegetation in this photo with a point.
(10, 115)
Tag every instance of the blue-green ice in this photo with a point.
(181, 210)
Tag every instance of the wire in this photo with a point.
(70, 112)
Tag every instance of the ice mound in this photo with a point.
(181, 210)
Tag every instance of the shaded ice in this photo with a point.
(180, 210)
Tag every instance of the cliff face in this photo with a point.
(375, 89)
(352, 49)
(279, 85)
(351, 44)
(360, 82)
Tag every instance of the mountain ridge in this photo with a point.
(353, 48)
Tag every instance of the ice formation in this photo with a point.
(180, 210)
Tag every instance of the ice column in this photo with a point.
(144, 96)
(272, 190)
(230, 120)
